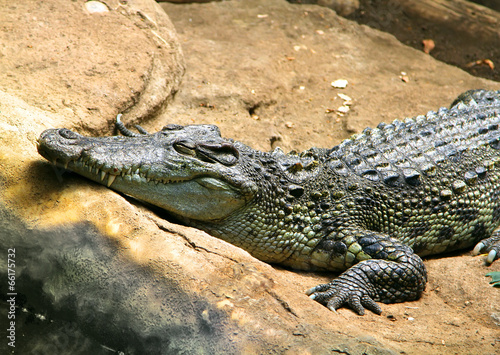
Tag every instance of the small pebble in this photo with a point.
(96, 7)
(343, 109)
(339, 84)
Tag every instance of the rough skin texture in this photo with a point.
(368, 207)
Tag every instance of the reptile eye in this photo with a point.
(185, 148)
(224, 153)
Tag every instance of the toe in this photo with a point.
(335, 303)
(354, 302)
(319, 288)
(371, 305)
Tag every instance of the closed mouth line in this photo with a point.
(96, 170)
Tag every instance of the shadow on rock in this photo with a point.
(77, 294)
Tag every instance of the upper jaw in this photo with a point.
(108, 157)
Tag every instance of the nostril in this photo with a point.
(66, 133)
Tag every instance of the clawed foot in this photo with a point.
(352, 288)
(371, 281)
(337, 293)
(491, 246)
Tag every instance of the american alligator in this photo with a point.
(369, 207)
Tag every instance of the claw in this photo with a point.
(492, 255)
(333, 309)
(477, 249)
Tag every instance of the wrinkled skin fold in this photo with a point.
(369, 207)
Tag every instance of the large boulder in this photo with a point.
(97, 272)
(88, 63)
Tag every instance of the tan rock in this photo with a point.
(59, 57)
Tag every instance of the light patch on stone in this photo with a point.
(112, 228)
(8, 127)
(339, 84)
(205, 315)
(239, 316)
(225, 303)
(94, 7)
(47, 212)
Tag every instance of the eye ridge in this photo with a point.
(224, 153)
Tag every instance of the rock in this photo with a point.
(275, 49)
(98, 272)
(61, 58)
(185, 1)
(465, 34)
(341, 7)
(492, 4)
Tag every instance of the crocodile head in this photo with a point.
(189, 171)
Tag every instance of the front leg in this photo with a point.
(393, 274)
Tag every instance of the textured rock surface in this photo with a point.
(57, 56)
(105, 271)
(463, 33)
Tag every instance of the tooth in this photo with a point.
(103, 175)
(66, 165)
(111, 179)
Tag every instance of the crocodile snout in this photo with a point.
(59, 145)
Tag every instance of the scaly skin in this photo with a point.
(368, 207)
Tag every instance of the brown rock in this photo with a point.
(462, 30)
(58, 57)
(341, 7)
